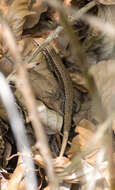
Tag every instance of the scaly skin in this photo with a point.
(63, 75)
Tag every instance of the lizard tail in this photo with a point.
(64, 143)
(67, 123)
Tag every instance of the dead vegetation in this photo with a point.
(57, 70)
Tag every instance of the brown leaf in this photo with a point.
(59, 163)
(15, 178)
(5, 66)
(22, 185)
(26, 47)
(107, 2)
(80, 142)
(104, 76)
(3, 183)
(75, 148)
(86, 130)
(51, 119)
(17, 15)
(3, 7)
(38, 7)
(79, 82)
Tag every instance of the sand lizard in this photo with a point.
(62, 74)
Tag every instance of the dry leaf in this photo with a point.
(51, 119)
(46, 88)
(3, 183)
(86, 130)
(16, 16)
(15, 178)
(90, 127)
(22, 185)
(107, 2)
(3, 7)
(104, 76)
(79, 82)
(59, 163)
(26, 47)
(38, 7)
(74, 149)
(5, 66)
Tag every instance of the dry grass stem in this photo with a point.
(17, 126)
(25, 88)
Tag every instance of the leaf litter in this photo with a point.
(30, 19)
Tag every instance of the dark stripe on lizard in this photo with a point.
(62, 74)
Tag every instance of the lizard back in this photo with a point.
(63, 74)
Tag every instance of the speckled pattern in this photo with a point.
(63, 75)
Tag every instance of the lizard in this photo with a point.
(62, 74)
(55, 62)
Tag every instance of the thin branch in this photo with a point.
(25, 88)
(18, 129)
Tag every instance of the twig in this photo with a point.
(24, 86)
(56, 32)
(18, 129)
(76, 13)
